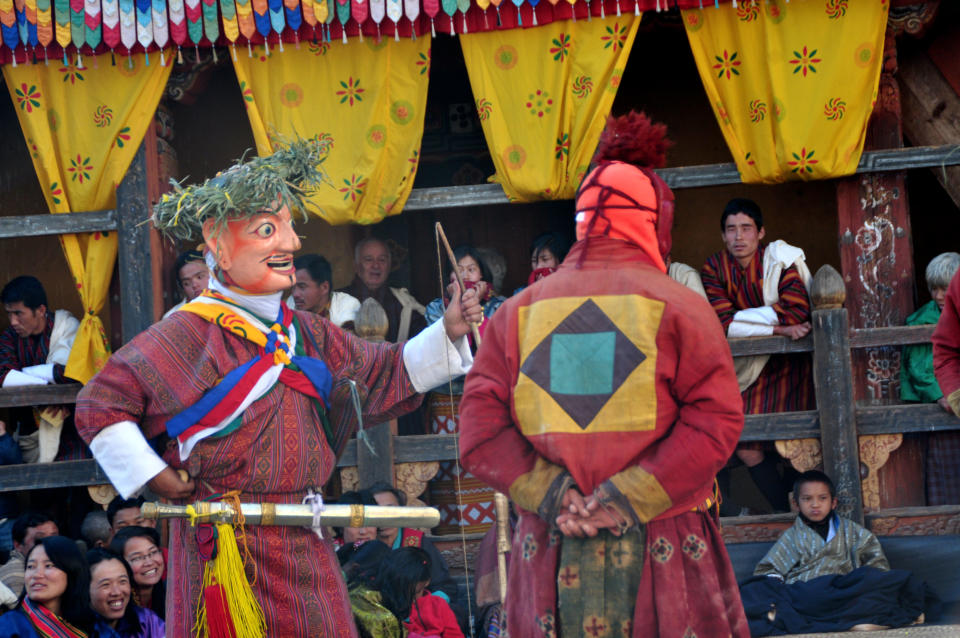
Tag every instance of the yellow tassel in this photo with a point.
(227, 570)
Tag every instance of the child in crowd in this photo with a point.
(821, 542)
(828, 573)
(402, 582)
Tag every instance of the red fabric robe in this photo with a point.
(279, 452)
(786, 382)
(618, 377)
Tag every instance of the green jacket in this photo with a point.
(917, 383)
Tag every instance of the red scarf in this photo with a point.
(48, 624)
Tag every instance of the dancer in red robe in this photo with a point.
(284, 412)
(603, 401)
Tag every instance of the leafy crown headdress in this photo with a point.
(287, 176)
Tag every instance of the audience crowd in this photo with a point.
(108, 579)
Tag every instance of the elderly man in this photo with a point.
(604, 400)
(373, 264)
(252, 396)
(758, 291)
(312, 292)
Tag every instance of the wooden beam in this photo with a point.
(931, 113)
(689, 177)
(375, 462)
(38, 476)
(890, 336)
(777, 426)
(833, 380)
(39, 395)
(409, 449)
(59, 224)
(891, 419)
(133, 249)
(749, 346)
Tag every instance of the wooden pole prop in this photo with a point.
(295, 514)
(456, 272)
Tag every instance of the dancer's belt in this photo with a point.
(297, 515)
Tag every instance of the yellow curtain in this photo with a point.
(367, 98)
(82, 127)
(543, 95)
(792, 84)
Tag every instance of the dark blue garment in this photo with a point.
(14, 624)
(9, 455)
(893, 598)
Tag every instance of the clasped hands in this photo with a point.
(585, 516)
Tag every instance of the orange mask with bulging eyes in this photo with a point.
(255, 253)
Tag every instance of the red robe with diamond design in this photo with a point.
(618, 377)
(278, 452)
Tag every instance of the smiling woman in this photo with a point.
(111, 583)
(140, 548)
(56, 598)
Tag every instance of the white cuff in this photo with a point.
(43, 371)
(753, 322)
(16, 378)
(126, 457)
(432, 359)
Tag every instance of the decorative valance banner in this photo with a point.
(792, 84)
(43, 29)
(543, 99)
(367, 100)
(83, 127)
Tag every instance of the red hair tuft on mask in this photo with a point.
(634, 139)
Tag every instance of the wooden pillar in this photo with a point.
(133, 250)
(834, 385)
(876, 257)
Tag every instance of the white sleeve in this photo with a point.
(43, 371)
(126, 457)
(16, 378)
(753, 322)
(432, 359)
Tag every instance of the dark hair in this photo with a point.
(95, 528)
(354, 497)
(361, 565)
(27, 520)
(399, 576)
(317, 266)
(99, 555)
(557, 243)
(24, 288)
(119, 503)
(742, 205)
(466, 250)
(380, 487)
(75, 600)
(812, 476)
(188, 257)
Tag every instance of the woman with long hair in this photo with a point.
(402, 583)
(56, 596)
(111, 584)
(140, 547)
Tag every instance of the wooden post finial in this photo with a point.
(827, 290)
(371, 323)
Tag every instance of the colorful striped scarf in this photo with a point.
(48, 624)
(282, 359)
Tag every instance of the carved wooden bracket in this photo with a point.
(102, 494)
(410, 478)
(803, 454)
(874, 452)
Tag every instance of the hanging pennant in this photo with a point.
(45, 23)
(463, 6)
(431, 8)
(8, 24)
(343, 16)
(178, 22)
(228, 16)
(261, 17)
(276, 17)
(128, 24)
(23, 28)
(161, 28)
(194, 14)
(378, 9)
(245, 22)
(533, 10)
(62, 16)
(484, 5)
(359, 11)
(411, 9)
(519, 3)
(450, 8)
(211, 26)
(293, 15)
(144, 22)
(309, 13)
(76, 23)
(93, 18)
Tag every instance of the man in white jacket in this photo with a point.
(34, 351)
